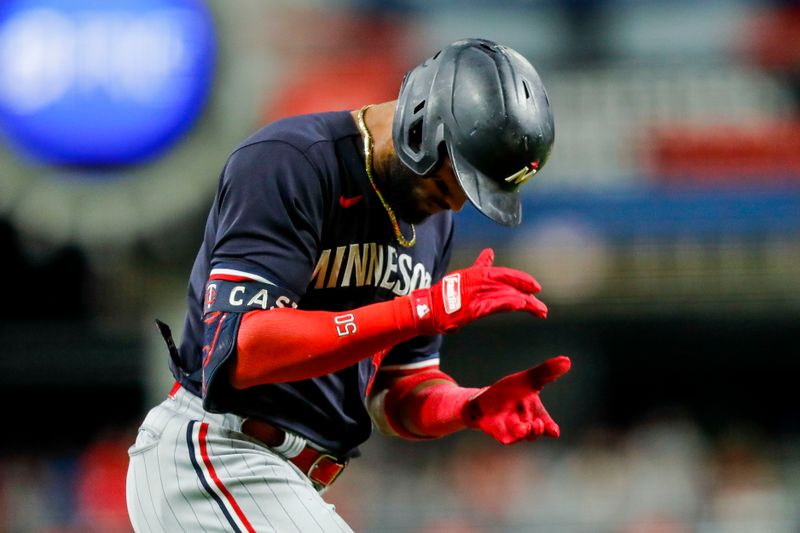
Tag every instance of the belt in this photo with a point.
(320, 468)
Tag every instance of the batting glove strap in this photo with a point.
(422, 312)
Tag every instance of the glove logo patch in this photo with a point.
(422, 310)
(451, 293)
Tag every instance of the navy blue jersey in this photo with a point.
(295, 223)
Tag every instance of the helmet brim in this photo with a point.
(487, 195)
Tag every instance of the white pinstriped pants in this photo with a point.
(191, 470)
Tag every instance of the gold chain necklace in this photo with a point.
(362, 126)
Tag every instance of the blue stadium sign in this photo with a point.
(98, 82)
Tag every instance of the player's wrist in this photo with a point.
(421, 306)
(409, 319)
(471, 410)
(427, 405)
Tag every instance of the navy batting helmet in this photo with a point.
(488, 106)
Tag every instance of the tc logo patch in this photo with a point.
(211, 294)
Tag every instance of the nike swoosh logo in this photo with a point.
(350, 202)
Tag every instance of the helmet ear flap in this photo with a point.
(441, 150)
(415, 135)
(414, 130)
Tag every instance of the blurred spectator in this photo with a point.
(334, 71)
(746, 492)
(100, 485)
(772, 41)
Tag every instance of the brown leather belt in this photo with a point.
(320, 467)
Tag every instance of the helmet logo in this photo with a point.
(524, 174)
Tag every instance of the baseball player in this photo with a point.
(320, 294)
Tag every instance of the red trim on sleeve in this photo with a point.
(407, 370)
(227, 277)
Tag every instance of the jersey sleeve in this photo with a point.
(270, 210)
(420, 352)
(271, 213)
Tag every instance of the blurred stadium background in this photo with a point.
(664, 231)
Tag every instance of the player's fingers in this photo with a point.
(551, 429)
(532, 437)
(485, 259)
(499, 300)
(518, 279)
(537, 428)
(535, 306)
(518, 431)
(507, 299)
(506, 438)
(548, 371)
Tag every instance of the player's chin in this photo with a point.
(430, 208)
(416, 214)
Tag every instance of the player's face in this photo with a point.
(414, 198)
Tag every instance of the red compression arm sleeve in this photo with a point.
(418, 410)
(290, 344)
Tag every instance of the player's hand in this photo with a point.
(511, 410)
(471, 293)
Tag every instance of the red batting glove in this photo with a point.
(475, 292)
(511, 410)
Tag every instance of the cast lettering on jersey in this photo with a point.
(239, 294)
(284, 231)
